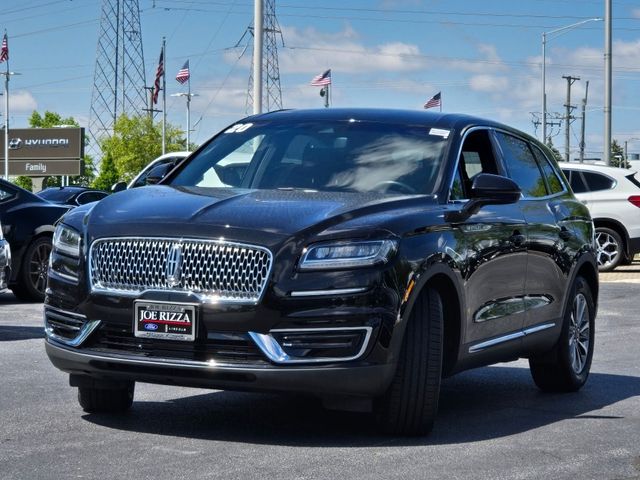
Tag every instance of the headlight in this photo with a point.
(66, 240)
(1, 232)
(347, 254)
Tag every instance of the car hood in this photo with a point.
(197, 212)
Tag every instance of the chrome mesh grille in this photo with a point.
(226, 271)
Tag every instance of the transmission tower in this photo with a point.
(272, 93)
(119, 78)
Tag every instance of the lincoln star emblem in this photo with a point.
(173, 269)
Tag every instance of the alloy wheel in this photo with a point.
(38, 266)
(608, 249)
(579, 333)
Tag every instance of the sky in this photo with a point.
(485, 57)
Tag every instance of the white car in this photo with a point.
(613, 197)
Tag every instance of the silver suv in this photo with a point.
(613, 197)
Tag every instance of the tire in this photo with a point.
(102, 400)
(610, 249)
(410, 404)
(32, 277)
(566, 367)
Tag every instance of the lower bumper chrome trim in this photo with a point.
(321, 293)
(274, 352)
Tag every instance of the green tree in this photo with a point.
(617, 155)
(136, 141)
(556, 153)
(24, 182)
(108, 174)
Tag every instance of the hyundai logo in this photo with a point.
(173, 269)
(15, 143)
(150, 326)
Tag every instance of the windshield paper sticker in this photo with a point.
(439, 132)
(238, 128)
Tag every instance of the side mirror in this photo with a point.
(487, 189)
(158, 173)
(118, 187)
(494, 189)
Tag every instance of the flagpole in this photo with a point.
(164, 97)
(6, 124)
(6, 116)
(188, 112)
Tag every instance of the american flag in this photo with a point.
(159, 74)
(322, 79)
(4, 50)
(434, 101)
(183, 75)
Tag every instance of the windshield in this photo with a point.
(346, 156)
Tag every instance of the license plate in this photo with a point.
(166, 320)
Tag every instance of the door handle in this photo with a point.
(517, 238)
(565, 234)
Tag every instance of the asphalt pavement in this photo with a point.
(493, 422)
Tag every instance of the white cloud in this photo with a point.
(309, 51)
(489, 59)
(489, 83)
(22, 101)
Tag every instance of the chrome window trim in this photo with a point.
(512, 336)
(320, 293)
(274, 352)
(202, 297)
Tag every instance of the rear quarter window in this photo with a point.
(597, 182)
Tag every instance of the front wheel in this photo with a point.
(410, 404)
(566, 367)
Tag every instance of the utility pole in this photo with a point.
(584, 110)
(607, 82)
(568, 117)
(150, 110)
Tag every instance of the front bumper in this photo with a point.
(361, 380)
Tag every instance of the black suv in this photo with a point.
(358, 255)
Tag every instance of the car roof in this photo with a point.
(456, 121)
(606, 169)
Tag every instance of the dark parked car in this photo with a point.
(28, 224)
(358, 255)
(72, 195)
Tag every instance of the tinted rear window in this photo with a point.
(597, 181)
(56, 194)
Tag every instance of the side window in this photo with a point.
(596, 181)
(553, 181)
(522, 166)
(476, 157)
(5, 193)
(576, 181)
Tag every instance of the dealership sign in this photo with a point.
(41, 152)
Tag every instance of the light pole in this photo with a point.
(7, 75)
(188, 95)
(626, 151)
(557, 32)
